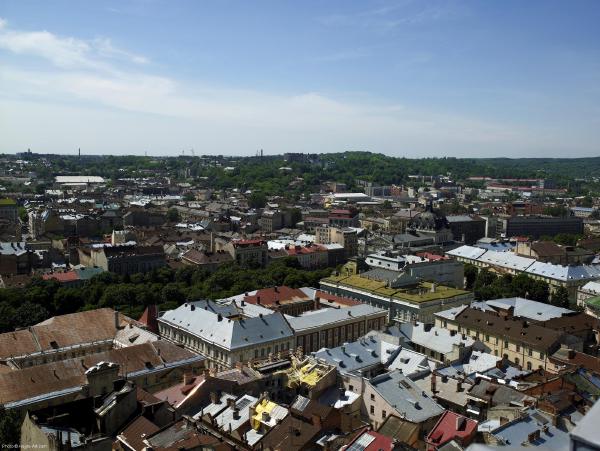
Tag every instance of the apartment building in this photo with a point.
(330, 327)
(345, 237)
(123, 259)
(248, 252)
(223, 335)
(406, 298)
(517, 339)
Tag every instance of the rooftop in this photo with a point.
(422, 293)
(317, 318)
(405, 396)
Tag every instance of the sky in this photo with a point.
(410, 78)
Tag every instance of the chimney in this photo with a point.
(433, 383)
(116, 313)
(461, 423)
(186, 378)
(219, 317)
(214, 398)
(276, 288)
(236, 413)
(266, 417)
(316, 421)
(317, 303)
(258, 300)
(230, 402)
(571, 354)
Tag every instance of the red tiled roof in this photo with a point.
(149, 318)
(446, 429)
(298, 250)
(69, 276)
(380, 443)
(432, 257)
(248, 242)
(268, 296)
(333, 299)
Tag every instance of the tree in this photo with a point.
(257, 200)
(10, 427)
(28, 314)
(23, 214)
(173, 215)
(470, 275)
(560, 297)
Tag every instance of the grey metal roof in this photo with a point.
(227, 333)
(587, 429)
(321, 317)
(436, 338)
(356, 355)
(525, 308)
(411, 363)
(516, 433)
(226, 421)
(405, 396)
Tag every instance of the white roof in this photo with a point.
(592, 287)
(506, 260)
(467, 252)
(514, 262)
(436, 339)
(79, 179)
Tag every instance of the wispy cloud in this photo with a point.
(65, 52)
(395, 14)
(343, 55)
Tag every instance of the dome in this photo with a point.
(429, 220)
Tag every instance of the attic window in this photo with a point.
(54, 345)
(133, 338)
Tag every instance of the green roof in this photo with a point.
(7, 201)
(593, 302)
(421, 293)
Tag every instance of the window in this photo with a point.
(518, 348)
(529, 366)
(372, 410)
(487, 338)
(256, 353)
(372, 397)
(496, 340)
(516, 360)
(530, 352)
(506, 344)
(542, 355)
(351, 387)
(383, 414)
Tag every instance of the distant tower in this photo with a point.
(79, 152)
(261, 153)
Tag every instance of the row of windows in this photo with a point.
(494, 340)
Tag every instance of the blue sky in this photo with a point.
(406, 78)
